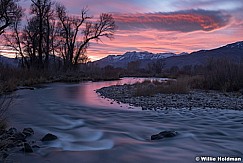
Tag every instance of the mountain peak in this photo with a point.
(231, 51)
(238, 44)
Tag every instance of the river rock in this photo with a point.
(163, 134)
(19, 136)
(12, 131)
(28, 131)
(49, 137)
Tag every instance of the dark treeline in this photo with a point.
(51, 36)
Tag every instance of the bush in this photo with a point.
(223, 75)
(149, 88)
(11, 78)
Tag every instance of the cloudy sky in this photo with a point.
(165, 25)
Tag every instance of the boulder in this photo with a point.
(163, 134)
(49, 137)
(19, 136)
(10, 145)
(12, 131)
(28, 131)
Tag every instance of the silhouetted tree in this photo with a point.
(73, 26)
(42, 12)
(30, 41)
(50, 32)
(10, 12)
(14, 40)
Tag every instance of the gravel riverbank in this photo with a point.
(194, 99)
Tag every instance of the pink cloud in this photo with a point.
(184, 21)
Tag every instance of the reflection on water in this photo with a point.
(90, 129)
(85, 94)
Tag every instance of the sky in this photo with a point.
(160, 26)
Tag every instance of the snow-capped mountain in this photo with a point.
(233, 51)
(123, 60)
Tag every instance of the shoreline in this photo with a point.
(61, 79)
(193, 99)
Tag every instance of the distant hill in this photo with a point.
(12, 62)
(123, 60)
(232, 51)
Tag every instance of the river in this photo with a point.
(93, 129)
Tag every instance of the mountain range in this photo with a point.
(12, 62)
(232, 51)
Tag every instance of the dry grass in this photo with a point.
(150, 88)
(11, 78)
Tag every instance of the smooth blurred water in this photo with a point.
(91, 129)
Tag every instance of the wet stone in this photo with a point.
(28, 131)
(19, 136)
(10, 145)
(49, 137)
(163, 134)
(12, 131)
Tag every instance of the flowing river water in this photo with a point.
(93, 129)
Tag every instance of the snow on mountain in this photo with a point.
(238, 45)
(123, 60)
(233, 51)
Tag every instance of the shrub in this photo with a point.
(11, 78)
(149, 88)
(223, 74)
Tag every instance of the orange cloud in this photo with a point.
(184, 21)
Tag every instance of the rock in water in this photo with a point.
(28, 131)
(27, 148)
(12, 131)
(49, 137)
(163, 134)
(19, 136)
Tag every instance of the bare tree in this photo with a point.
(42, 10)
(10, 12)
(49, 33)
(14, 41)
(30, 40)
(70, 27)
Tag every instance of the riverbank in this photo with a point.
(27, 81)
(91, 129)
(192, 99)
